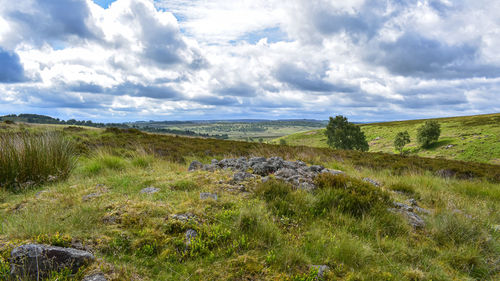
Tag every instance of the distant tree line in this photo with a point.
(43, 119)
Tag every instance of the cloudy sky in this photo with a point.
(124, 60)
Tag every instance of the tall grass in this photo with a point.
(28, 159)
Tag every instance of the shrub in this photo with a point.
(282, 142)
(452, 229)
(279, 197)
(345, 135)
(28, 159)
(402, 139)
(348, 195)
(428, 133)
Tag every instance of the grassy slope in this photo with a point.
(473, 138)
(143, 242)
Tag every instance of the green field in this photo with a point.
(469, 138)
(266, 231)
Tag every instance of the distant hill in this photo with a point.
(469, 138)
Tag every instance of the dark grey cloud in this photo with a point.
(300, 79)
(240, 90)
(149, 91)
(52, 21)
(415, 55)
(11, 70)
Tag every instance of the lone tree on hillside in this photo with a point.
(402, 139)
(428, 133)
(345, 135)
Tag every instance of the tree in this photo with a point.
(282, 142)
(428, 133)
(402, 139)
(345, 135)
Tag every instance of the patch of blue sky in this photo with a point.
(273, 35)
(104, 3)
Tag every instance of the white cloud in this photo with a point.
(184, 59)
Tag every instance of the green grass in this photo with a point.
(28, 159)
(273, 232)
(471, 138)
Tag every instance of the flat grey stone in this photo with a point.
(95, 277)
(37, 259)
(195, 165)
(150, 190)
(207, 195)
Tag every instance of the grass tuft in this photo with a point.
(29, 159)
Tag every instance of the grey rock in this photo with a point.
(316, 168)
(90, 196)
(95, 277)
(210, 167)
(265, 179)
(190, 235)
(307, 186)
(195, 165)
(408, 212)
(322, 269)
(37, 259)
(285, 173)
(207, 195)
(150, 190)
(333, 172)
(241, 176)
(412, 202)
(183, 217)
(372, 181)
(215, 162)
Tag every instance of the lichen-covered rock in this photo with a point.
(95, 277)
(39, 260)
(190, 235)
(241, 176)
(322, 269)
(372, 181)
(195, 165)
(207, 195)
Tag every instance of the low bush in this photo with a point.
(28, 159)
(455, 229)
(346, 194)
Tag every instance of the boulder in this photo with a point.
(195, 165)
(39, 260)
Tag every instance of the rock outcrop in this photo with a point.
(297, 173)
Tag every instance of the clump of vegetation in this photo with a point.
(428, 133)
(346, 194)
(28, 159)
(184, 185)
(345, 135)
(402, 187)
(402, 139)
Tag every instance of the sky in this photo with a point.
(128, 60)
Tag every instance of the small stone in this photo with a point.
(150, 190)
(265, 179)
(372, 181)
(322, 269)
(207, 195)
(190, 234)
(183, 217)
(412, 202)
(95, 277)
(195, 165)
(90, 196)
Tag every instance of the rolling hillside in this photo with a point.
(469, 138)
